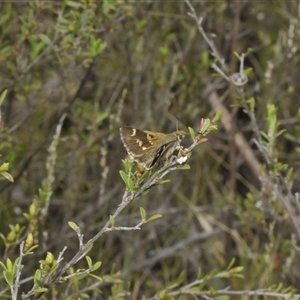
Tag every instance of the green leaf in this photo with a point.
(280, 132)
(205, 57)
(127, 165)
(179, 279)
(212, 128)
(96, 266)
(164, 51)
(2, 97)
(154, 217)
(141, 24)
(40, 290)
(203, 283)
(97, 278)
(290, 137)
(265, 136)
(89, 261)
(73, 4)
(248, 71)
(7, 176)
(9, 265)
(230, 264)
(96, 46)
(224, 274)
(238, 276)
(289, 174)
(143, 213)
(74, 226)
(124, 177)
(130, 185)
(102, 116)
(165, 181)
(112, 221)
(29, 251)
(3, 266)
(237, 55)
(206, 124)
(251, 103)
(108, 5)
(49, 258)
(192, 132)
(185, 167)
(4, 167)
(288, 290)
(37, 277)
(45, 39)
(278, 288)
(8, 277)
(89, 248)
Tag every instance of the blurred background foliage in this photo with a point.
(107, 64)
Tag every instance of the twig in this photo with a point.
(15, 287)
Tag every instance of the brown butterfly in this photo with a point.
(149, 147)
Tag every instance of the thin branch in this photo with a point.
(16, 285)
(209, 41)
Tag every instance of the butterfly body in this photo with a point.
(148, 147)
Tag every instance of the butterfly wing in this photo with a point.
(146, 147)
(163, 152)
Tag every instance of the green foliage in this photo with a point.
(72, 73)
(3, 172)
(9, 270)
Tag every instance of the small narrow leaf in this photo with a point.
(2, 97)
(89, 248)
(96, 266)
(45, 39)
(192, 132)
(96, 277)
(251, 102)
(74, 226)
(9, 264)
(278, 288)
(3, 266)
(8, 277)
(213, 128)
(130, 184)
(112, 221)
(37, 277)
(179, 279)
(89, 261)
(7, 176)
(4, 167)
(289, 174)
(165, 181)
(224, 274)
(230, 264)
(280, 132)
(124, 177)
(237, 55)
(205, 125)
(238, 269)
(143, 213)
(185, 167)
(154, 217)
(203, 283)
(265, 136)
(40, 290)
